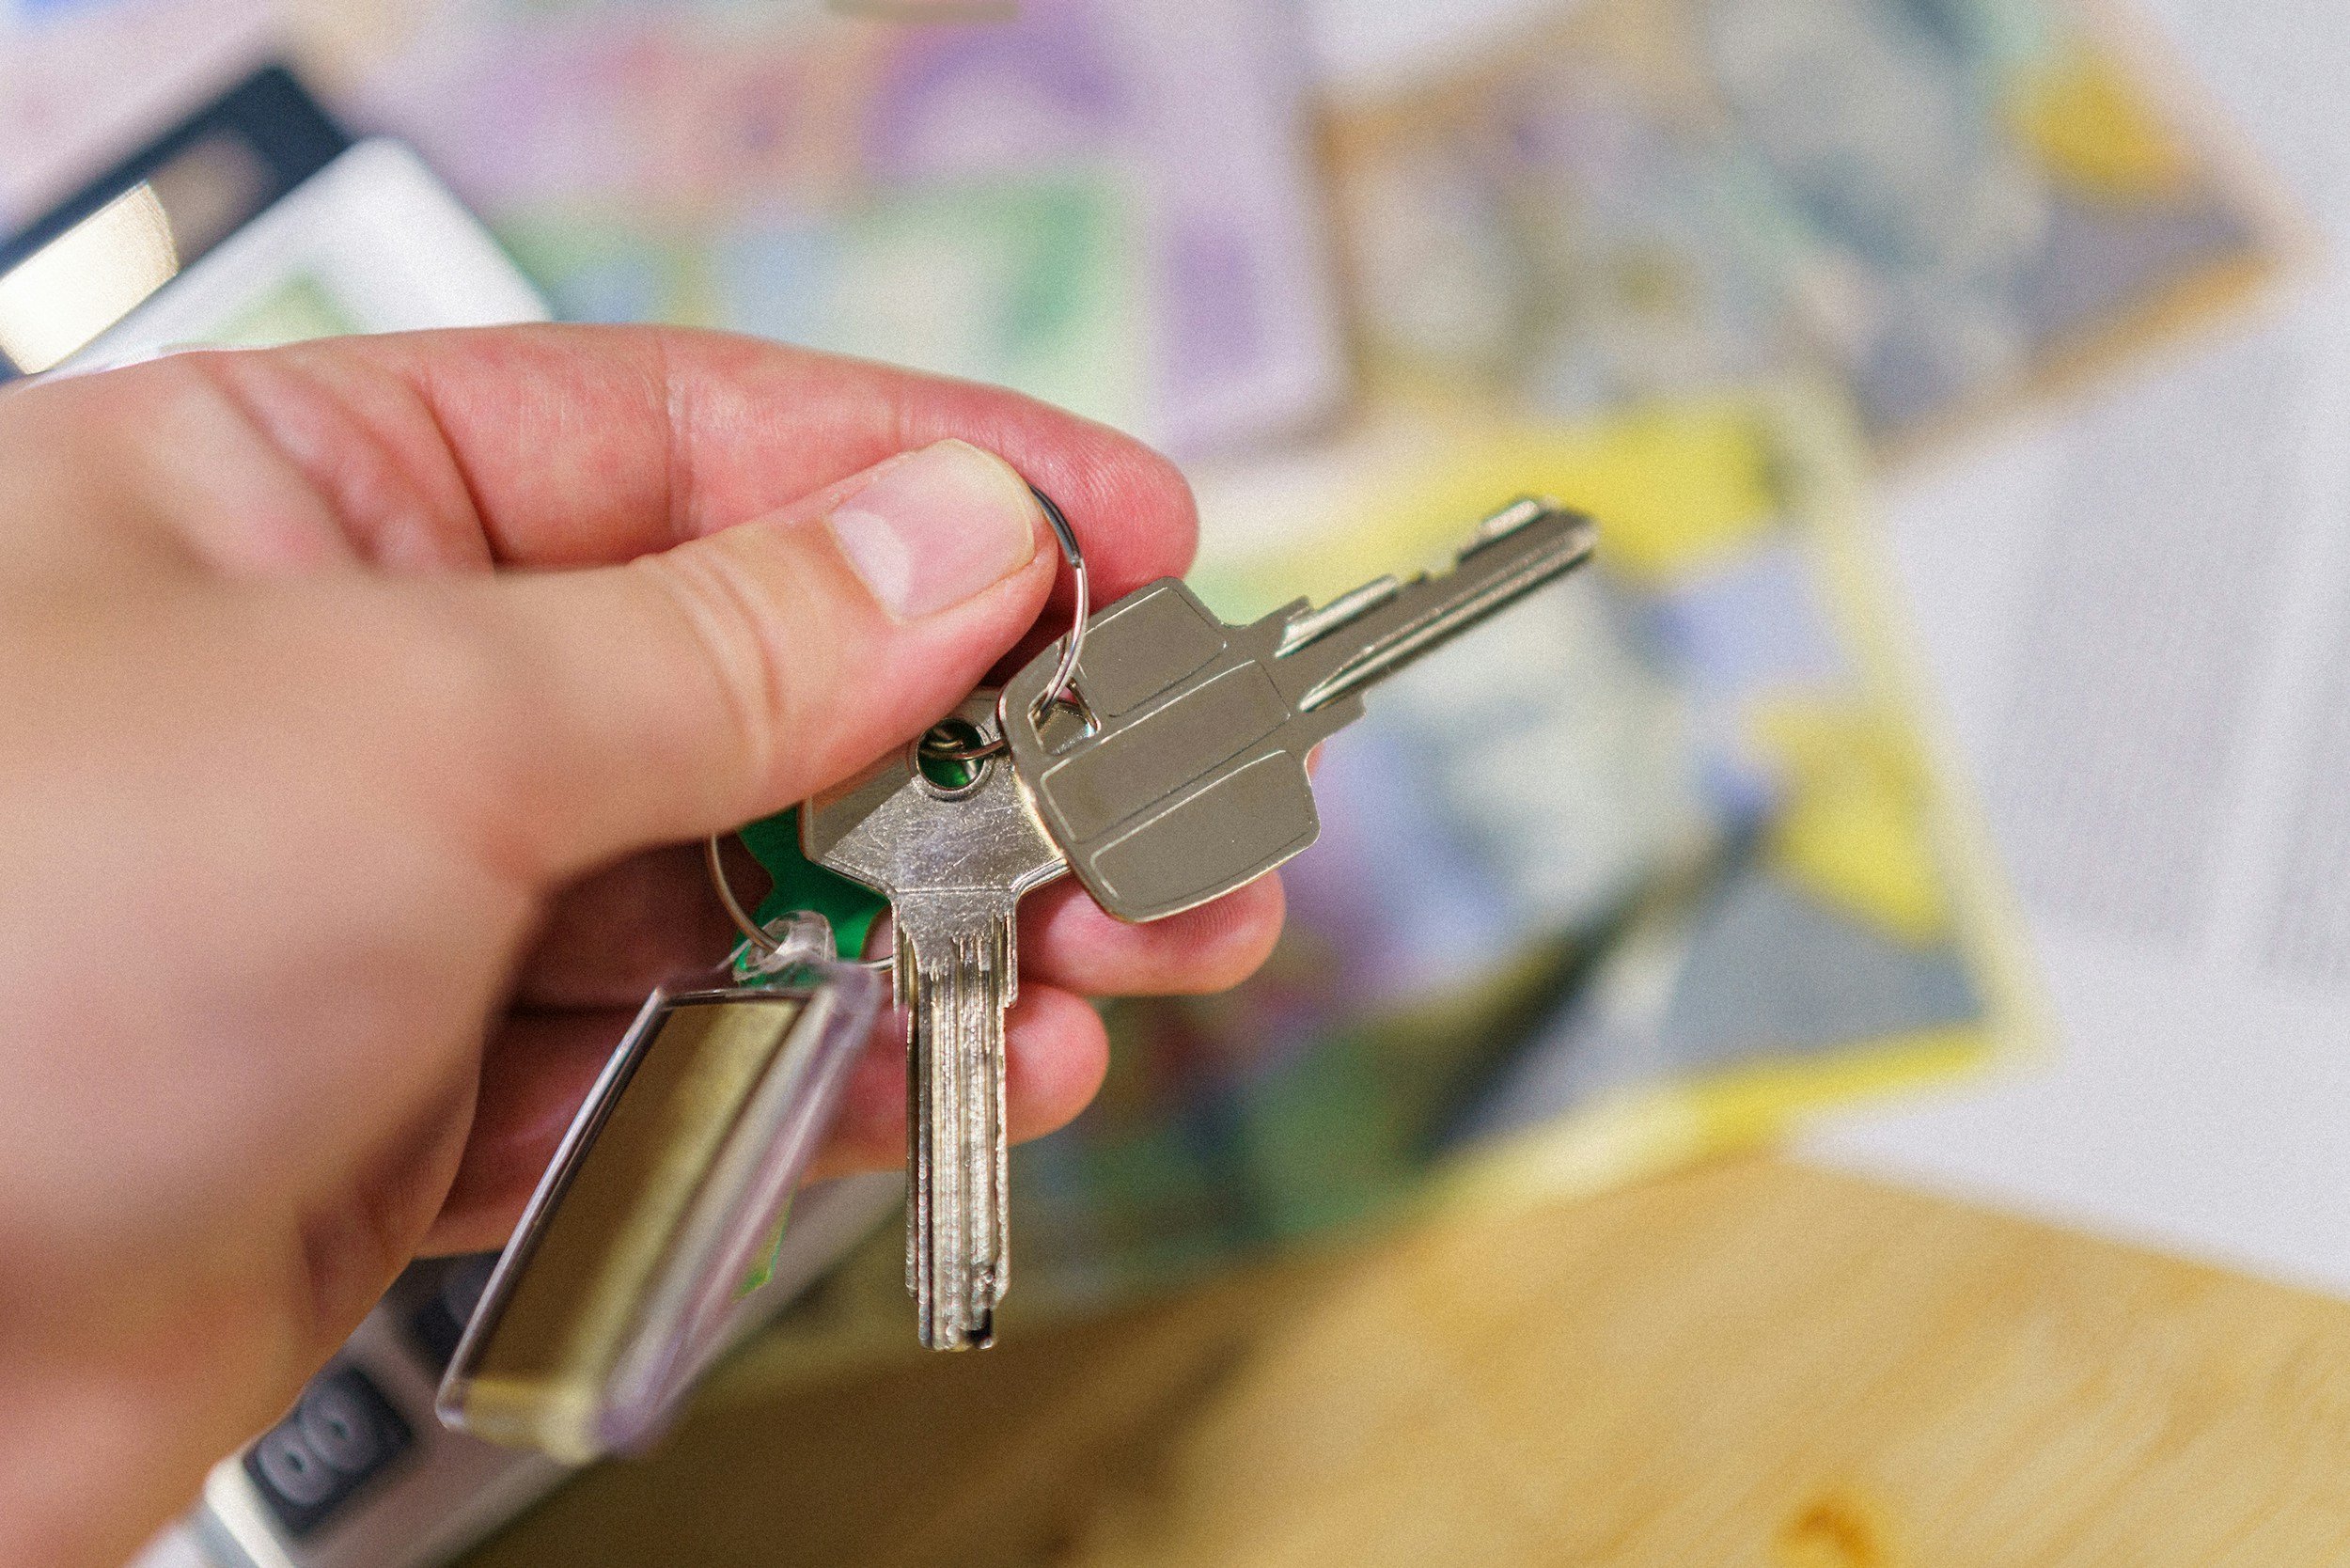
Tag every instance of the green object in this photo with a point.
(766, 1269)
(801, 883)
(949, 772)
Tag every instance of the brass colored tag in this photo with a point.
(660, 1211)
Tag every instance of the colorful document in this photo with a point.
(1107, 204)
(1941, 205)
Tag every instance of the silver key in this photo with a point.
(1179, 774)
(953, 863)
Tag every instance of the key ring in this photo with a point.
(937, 743)
(752, 931)
(940, 744)
(763, 940)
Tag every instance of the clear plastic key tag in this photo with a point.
(665, 1201)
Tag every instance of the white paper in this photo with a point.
(2138, 614)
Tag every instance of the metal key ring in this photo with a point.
(753, 933)
(940, 745)
(751, 930)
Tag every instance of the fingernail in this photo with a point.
(937, 526)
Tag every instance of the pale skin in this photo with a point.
(360, 705)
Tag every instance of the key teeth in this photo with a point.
(955, 1233)
(1307, 626)
(1499, 524)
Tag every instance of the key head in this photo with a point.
(1181, 774)
(897, 830)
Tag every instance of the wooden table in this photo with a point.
(1751, 1363)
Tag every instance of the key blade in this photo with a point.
(953, 859)
(959, 950)
(1377, 629)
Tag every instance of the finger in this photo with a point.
(604, 711)
(541, 1067)
(612, 938)
(575, 446)
(1067, 940)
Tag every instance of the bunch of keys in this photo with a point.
(1156, 753)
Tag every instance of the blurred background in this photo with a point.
(1946, 766)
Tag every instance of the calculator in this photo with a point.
(255, 221)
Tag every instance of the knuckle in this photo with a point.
(730, 621)
(445, 685)
(1238, 933)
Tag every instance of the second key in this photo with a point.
(953, 847)
(1178, 772)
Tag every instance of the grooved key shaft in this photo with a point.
(954, 860)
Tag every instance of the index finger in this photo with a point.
(581, 445)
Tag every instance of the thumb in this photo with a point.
(724, 679)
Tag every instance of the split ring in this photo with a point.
(936, 745)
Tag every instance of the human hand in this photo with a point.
(359, 697)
